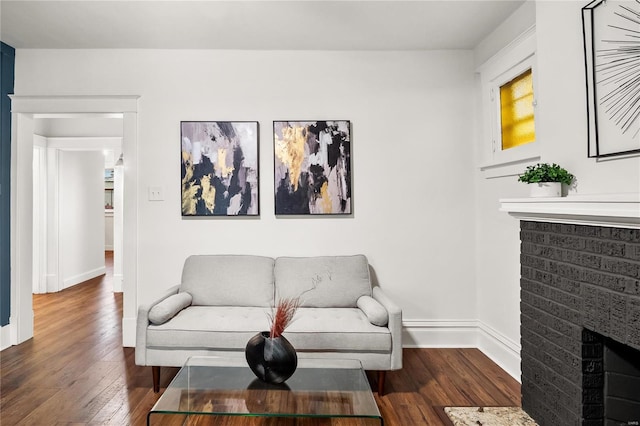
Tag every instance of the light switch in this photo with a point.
(156, 193)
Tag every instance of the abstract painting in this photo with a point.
(219, 168)
(611, 31)
(312, 167)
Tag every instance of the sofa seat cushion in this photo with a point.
(228, 280)
(323, 281)
(230, 328)
(336, 329)
(220, 327)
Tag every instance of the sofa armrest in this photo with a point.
(142, 322)
(395, 326)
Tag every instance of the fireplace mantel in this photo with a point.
(611, 210)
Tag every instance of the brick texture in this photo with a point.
(578, 283)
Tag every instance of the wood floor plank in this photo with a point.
(472, 388)
(443, 383)
(496, 376)
(76, 372)
(14, 405)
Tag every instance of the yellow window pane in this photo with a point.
(516, 111)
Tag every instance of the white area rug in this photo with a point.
(489, 416)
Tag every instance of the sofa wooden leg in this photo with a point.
(381, 377)
(155, 370)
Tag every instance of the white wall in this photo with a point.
(410, 115)
(497, 239)
(438, 244)
(413, 126)
(81, 215)
(563, 104)
(561, 128)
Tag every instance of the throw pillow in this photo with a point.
(375, 312)
(169, 307)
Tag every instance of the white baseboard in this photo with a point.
(52, 283)
(439, 333)
(80, 278)
(117, 283)
(464, 334)
(5, 337)
(129, 332)
(501, 349)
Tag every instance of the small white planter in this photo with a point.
(546, 189)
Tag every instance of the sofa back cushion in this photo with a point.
(228, 280)
(323, 282)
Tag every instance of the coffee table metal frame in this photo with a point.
(320, 388)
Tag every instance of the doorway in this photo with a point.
(25, 111)
(75, 160)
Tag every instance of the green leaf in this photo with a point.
(543, 172)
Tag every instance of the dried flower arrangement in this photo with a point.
(283, 315)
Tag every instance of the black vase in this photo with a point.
(271, 360)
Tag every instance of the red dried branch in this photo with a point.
(284, 313)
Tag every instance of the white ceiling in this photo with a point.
(255, 25)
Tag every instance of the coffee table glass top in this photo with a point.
(226, 386)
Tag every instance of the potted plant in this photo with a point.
(546, 179)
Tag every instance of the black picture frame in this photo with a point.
(312, 167)
(612, 64)
(220, 168)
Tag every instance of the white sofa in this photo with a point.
(223, 300)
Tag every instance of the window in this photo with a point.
(508, 82)
(516, 111)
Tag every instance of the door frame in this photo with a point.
(23, 111)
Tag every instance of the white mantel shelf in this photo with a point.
(613, 210)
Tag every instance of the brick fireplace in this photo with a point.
(580, 297)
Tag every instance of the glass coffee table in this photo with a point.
(319, 388)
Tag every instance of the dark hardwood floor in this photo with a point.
(76, 372)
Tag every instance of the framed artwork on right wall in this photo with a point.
(312, 167)
(612, 65)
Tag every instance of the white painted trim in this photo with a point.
(129, 332)
(118, 202)
(5, 337)
(439, 333)
(53, 283)
(491, 171)
(617, 210)
(467, 333)
(40, 214)
(23, 109)
(117, 283)
(85, 276)
(54, 277)
(130, 225)
(500, 349)
(514, 59)
(21, 239)
(511, 53)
